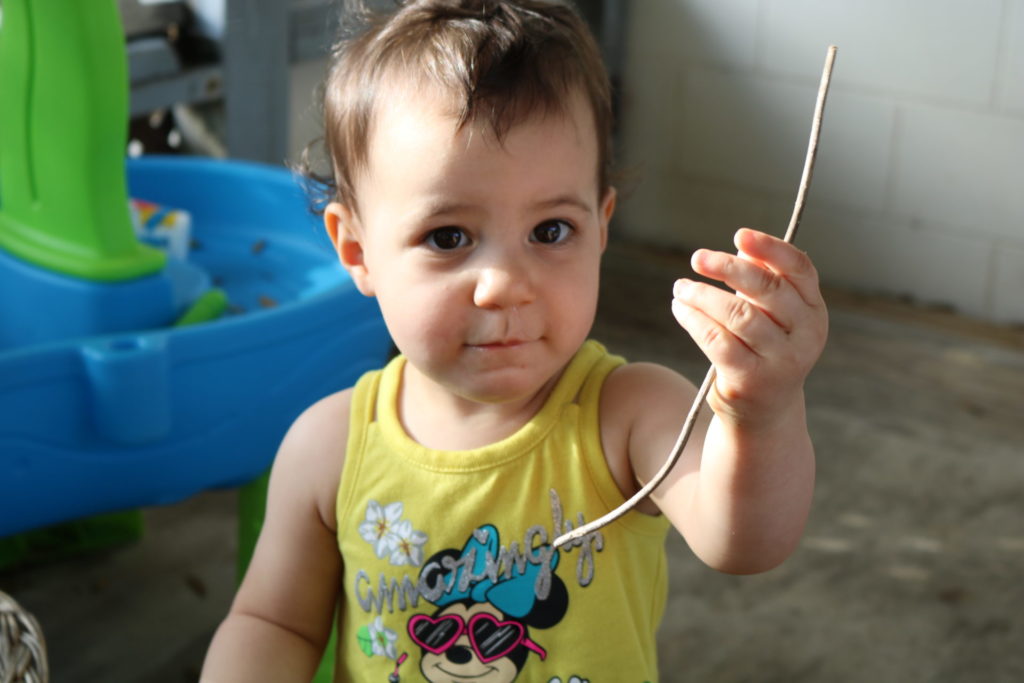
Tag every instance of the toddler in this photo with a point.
(471, 197)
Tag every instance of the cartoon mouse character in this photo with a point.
(480, 630)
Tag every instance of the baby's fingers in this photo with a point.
(727, 328)
(784, 259)
(755, 282)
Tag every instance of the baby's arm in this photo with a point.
(742, 491)
(281, 616)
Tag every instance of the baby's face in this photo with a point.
(484, 256)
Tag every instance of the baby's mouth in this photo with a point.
(501, 344)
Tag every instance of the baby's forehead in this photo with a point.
(422, 95)
(419, 120)
(404, 92)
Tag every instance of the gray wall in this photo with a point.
(304, 124)
(919, 188)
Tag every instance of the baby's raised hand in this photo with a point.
(764, 338)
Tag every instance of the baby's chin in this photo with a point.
(507, 385)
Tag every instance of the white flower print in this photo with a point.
(408, 548)
(572, 679)
(383, 639)
(378, 528)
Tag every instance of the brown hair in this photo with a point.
(501, 62)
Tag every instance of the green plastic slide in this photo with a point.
(63, 126)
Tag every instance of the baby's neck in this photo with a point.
(438, 418)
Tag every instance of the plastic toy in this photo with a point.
(112, 395)
(104, 403)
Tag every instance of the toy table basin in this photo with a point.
(105, 423)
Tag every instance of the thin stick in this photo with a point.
(709, 380)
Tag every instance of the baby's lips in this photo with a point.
(502, 342)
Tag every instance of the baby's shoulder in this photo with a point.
(327, 419)
(640, 409)
(635, 390)
(312, 454)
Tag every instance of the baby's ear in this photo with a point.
(607, 210)
(346, 235)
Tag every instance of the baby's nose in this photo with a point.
(503, 286)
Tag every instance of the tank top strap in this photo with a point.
(386, 394)
(365, 397)
(580, 373)
(362, 411)
(593, 456)
(589, 415)
(589, 395)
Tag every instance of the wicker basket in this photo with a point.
(22, 648)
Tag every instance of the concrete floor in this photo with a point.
(911, 568)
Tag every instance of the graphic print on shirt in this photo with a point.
(486, 597)
(480, 629)
(392, 536)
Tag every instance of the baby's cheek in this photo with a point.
(424, 319)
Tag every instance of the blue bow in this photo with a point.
(514, 595)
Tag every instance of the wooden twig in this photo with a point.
(709, 379)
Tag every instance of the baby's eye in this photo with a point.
(551, 232)
(447, 238)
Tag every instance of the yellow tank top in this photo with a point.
(449, 574)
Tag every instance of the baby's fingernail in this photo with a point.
(681, 287)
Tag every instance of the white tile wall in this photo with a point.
(919, 188)
(897, 258)
(702, 214)
(651, 115)
(854, 155)
(1011, 87)
(742, 129)
(940, 268)
(646, 209)
(754, 131)
(1008, 285)
(704, 31)
(957, 167)
(944, 49)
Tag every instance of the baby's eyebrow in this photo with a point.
(436, 208)
(572, 200)
(441, 207)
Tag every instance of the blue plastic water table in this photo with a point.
(110, 422)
